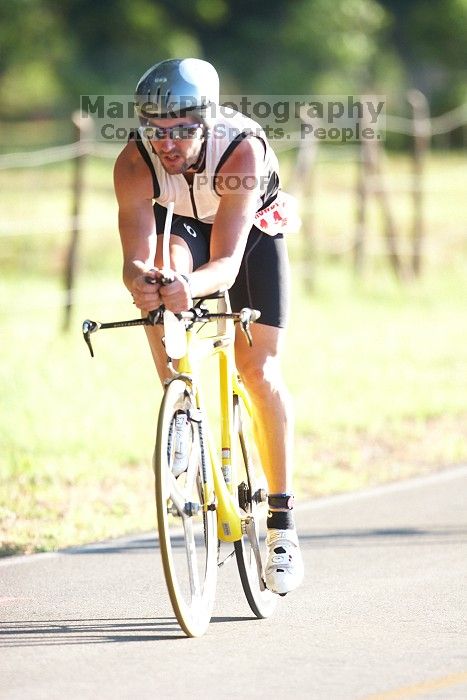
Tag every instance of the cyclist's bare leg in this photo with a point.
(180, 260)
(259, 367)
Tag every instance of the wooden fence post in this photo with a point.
(371, 180)
(84, 129)
(362, 201)
(421, 141)
(375, 152)
(302, 186)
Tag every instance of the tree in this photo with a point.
(55, 50)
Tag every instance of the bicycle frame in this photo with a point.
(232, 522)
(229, 514)
(229, 498)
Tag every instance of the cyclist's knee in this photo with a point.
(261, 375)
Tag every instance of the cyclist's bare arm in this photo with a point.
(133, 188)
(231, 226)
(234, 217)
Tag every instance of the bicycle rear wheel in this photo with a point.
(186, 513)
(252, 494)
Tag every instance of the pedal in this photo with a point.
(244, 496)
(260, 496)
(191, 509)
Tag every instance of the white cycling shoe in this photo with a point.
(284, 567)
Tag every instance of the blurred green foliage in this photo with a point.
(51, 51)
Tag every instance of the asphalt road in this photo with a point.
(382, 613)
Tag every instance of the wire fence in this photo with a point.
(371, 180)
(434, 126)
(405, 255)
(57, 154)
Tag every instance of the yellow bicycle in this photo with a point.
(220, 494)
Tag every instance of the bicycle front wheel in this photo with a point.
(252, 498)
(186, 513)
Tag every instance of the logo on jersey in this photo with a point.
(190, 230)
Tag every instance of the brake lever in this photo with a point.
(247, 316)
(247, 332)
(88, 328)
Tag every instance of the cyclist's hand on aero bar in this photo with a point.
(176, 295)
(145, 290)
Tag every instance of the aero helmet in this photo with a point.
(175, 87)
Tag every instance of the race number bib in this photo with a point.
(281, 216)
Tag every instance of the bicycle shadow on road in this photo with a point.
(98, 631)
(388, 536)
(27, 633)
(135, 544)
(128, 545)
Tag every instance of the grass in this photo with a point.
(382, 395)
(377, 371)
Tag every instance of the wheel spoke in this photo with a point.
(192, 558)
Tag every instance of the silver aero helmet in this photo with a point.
(177, 87)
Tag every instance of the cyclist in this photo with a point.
(227, 232)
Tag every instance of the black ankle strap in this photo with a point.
(281, 500)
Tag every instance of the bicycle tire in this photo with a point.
(252, 499)
(187, 524)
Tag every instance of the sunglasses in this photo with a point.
(175, 133)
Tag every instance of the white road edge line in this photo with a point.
(323, 502)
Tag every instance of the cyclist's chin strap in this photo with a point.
(281, 500)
